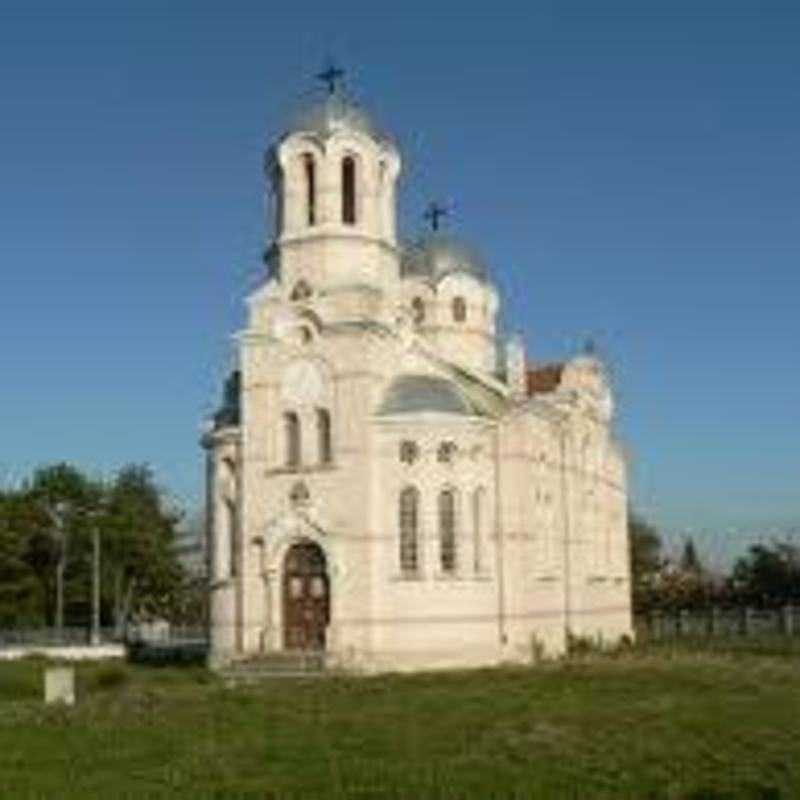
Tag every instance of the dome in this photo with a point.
(587, 359)
(334, 113)
(438, 255)
(409, 394)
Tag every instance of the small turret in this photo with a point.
(516, 372)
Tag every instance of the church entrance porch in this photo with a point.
(306, 598)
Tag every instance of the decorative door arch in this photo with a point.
(306, 597)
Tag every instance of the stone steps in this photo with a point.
(274, 665)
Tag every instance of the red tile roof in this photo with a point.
(544, 378)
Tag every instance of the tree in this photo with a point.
(22, 601)
(140, 539)
(689, 561)
(768, 575)
(60, 498)
(645, 555)
(47, 528)
(676, 588)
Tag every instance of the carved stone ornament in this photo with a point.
(302, 384)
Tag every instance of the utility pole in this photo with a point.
(56, 514)
(95, 638)
(95, 516)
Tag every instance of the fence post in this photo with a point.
(745, 621)
(654, 622)
(713, 626)
(787, 620)
(683, 626)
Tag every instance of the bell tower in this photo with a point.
(333, 178)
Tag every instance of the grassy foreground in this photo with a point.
(658, 724)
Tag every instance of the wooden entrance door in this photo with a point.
(306, 601)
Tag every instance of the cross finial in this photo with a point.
(433, 213)
(590, 346)
(332, 76)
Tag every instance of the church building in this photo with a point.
(391, 482)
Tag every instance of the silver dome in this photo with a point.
(438, 255)
(334, 113)
(409, 394)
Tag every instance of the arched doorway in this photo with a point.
(306, 597)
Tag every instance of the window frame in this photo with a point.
(293, 440)
(324, 436)
(448, 548)
(408, 507)
(418, 310)
(349, 193)
(310, 173)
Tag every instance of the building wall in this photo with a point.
(551, 548)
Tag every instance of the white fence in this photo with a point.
(720, 623)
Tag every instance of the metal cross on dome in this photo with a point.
(332, 76)
(433, 213)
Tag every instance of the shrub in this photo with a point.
(109, 676)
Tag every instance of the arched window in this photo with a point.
(459, 309)
(311, 188)
(409, 530)
(324, 436)
(418, 310)
(300, 291)
(233, 539)
(477, 530)
(292, 429)
(278, 188)
(446, 452)
(299, 494)
(348, 191)
(409, 451)
(447, 530)
(230, 472)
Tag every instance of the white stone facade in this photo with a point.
(460, 505)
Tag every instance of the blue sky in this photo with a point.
(630, 170)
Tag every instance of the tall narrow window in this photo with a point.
(418, 310)
(292, 425)
(278, 199)
(233, 539)
(311, 189)
(477, 532)
(447, 530)
(324, 436)
(348, 191)
(459, 309)
(409, 530)
(300, 291)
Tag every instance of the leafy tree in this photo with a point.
(22, 601)
(47, 529)
(60, 499)
(645, 555)
(139, 533)
(768, 575)
(677, 588)
(689, 561)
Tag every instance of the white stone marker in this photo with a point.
(59, 685)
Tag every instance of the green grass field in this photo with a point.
(661, 723)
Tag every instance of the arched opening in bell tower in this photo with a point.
(309, 168)
(349, 190)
